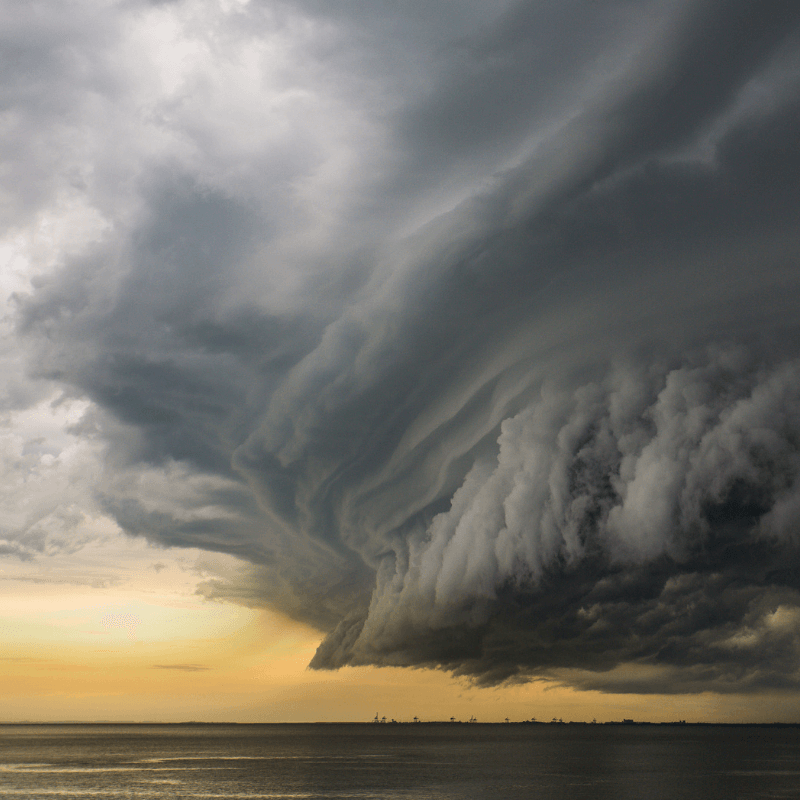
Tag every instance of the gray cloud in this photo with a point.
(491, 365)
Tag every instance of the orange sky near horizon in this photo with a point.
(167, 655)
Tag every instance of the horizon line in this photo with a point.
(558, 723)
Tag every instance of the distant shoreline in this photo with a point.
(438, 723)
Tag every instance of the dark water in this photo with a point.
(413, 762)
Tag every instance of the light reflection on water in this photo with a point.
(399, 762)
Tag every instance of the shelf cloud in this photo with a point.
(475, 334)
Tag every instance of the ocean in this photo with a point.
(400, 762)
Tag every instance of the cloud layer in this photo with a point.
(475, 333)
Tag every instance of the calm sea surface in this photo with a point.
(413, 762)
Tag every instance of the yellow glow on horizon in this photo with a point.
(220, 662)
(148, 648)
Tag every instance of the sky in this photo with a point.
(422, 358)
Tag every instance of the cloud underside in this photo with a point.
(515, 392)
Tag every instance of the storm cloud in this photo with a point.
(476, 334)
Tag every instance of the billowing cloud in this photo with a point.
(477, 334)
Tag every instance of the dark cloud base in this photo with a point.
(701, 577)
(707, 626)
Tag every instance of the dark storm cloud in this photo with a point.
(553, 430)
